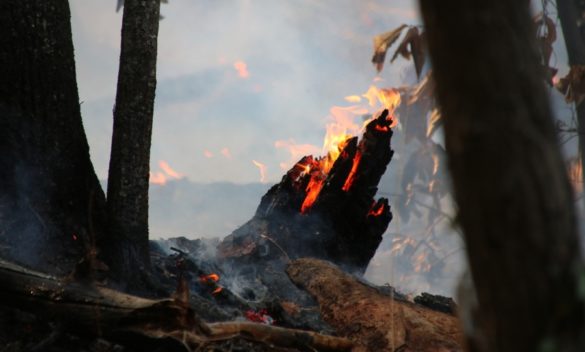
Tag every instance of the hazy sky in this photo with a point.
(236, 76)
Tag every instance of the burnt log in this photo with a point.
(372, 320)
(145, 324)
(323, 212)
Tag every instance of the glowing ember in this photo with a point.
(376, 211)
(262, 169)
(351, 177)
(217, 290)
(242, 69)
(74, 236)
(259, 317)
(211, 278)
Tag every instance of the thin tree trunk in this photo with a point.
(51, 203)
(514, 197)
(575, 44)
(130, 155)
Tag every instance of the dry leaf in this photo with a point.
(547, 37)
(435, 122)
(573, 85)
(413, 39)
(381, 44)
(423, 90)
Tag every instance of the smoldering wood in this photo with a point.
(99, 311)
(374, 321)
(345, 224)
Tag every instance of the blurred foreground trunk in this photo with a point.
(514, 197)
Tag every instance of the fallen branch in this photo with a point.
(374, 321)
(102, 312)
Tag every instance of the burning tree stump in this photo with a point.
(374, 321)
(324, 207)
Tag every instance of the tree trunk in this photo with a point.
(575, 43)
(514, 197)
(51, 203)
(130, 155)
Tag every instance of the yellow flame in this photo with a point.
(262, 169)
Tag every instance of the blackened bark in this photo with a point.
(130, 155)
(51, 203)
(514, 197)
(574, 35)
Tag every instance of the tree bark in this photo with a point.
(510, 185)
(51, 203)
(130, 156)
(568, 11)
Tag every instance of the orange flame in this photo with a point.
(207, 154)
(262, 169)
(161, 178)
(342, 126)
(168, 170)
(226, 152)
(209, 278)
(351, 177)
(217, 290)
(242, 69)
(157, 178)
(376, 212)
(296, 151)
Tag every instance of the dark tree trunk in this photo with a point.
(574, 35)
(51, 203)
(130, 156)
(514, 197)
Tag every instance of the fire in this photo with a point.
(376, 211)
(340, 130)
(209, 278)
(351, 177)
(296, 151)
(208, 154)
(168, 170)
(161, 178)
(262, 169)
(242, 69)
(226, 152)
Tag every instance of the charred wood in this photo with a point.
(134, 321)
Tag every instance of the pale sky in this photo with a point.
(236, 76)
